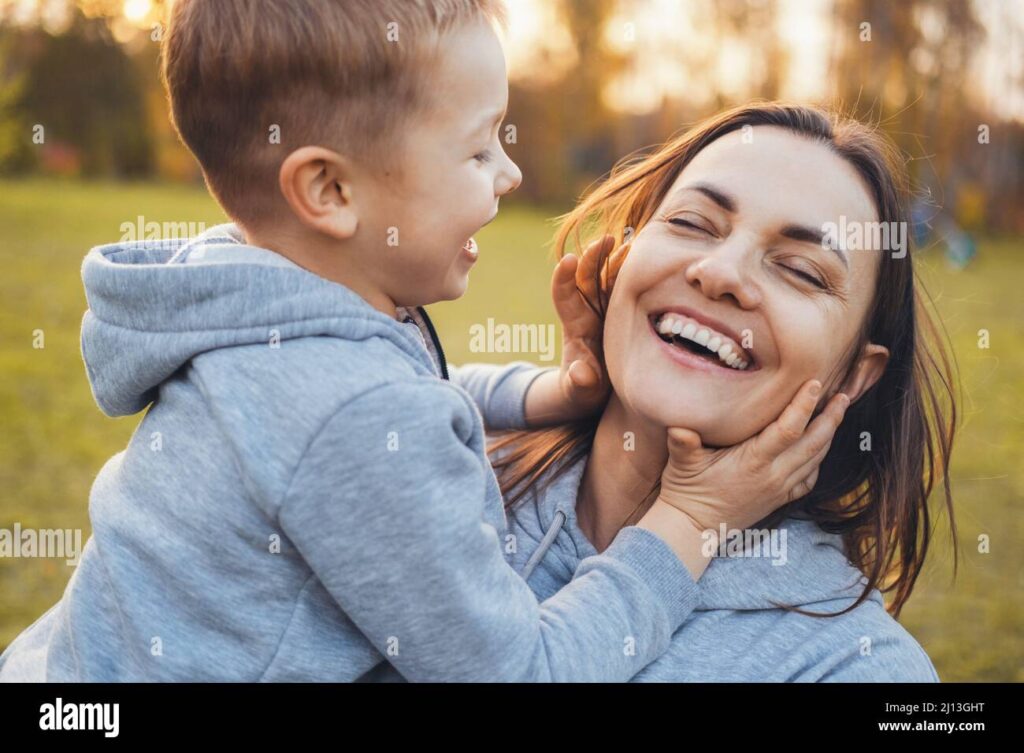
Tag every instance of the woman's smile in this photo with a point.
(686, 329)
(685, 347)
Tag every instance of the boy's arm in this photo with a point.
(387, 507)
(499, 391)
(522, 396)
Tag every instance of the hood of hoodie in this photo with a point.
(803, 566)
(154, 305)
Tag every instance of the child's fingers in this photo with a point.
(789, 427)
(595, 251)
(809, 469)
(803, 487)
(582, 375)
(564, 276)
(569, 304)
(812, 446)
(614, 265)
(683, 445)
(810, 466)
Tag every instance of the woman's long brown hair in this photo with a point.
(878, 499)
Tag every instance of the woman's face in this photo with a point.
(735, 249)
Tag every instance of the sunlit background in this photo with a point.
(591, 81)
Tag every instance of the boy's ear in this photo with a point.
(869, 368)
(317, 184)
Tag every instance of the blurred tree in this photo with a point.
(608, 77)
(753, 28)
(15, 154)
(906, 66)
(565, 128)
(84, 90)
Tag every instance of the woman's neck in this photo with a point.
(625, 464)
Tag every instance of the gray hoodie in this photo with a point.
(738, 632)
(307, 497)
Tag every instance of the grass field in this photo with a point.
(54, 439)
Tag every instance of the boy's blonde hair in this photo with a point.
(250, 81)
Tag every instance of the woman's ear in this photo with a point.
(317, 185)
(869, 369)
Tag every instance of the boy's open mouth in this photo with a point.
(471, 249)
(688, 334)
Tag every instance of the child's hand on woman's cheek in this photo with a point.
(743, 484)
(579, 387)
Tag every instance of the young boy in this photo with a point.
(307, 496)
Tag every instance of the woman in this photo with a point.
(723, 247)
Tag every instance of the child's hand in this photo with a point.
(580, 386)
(740, 485)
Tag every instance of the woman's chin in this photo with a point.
(716, 429)
(714, 439)
(721, 413)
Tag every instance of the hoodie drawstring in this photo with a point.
(545, 544)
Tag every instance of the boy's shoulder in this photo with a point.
(272, 406)
(251, 327)
(311, 377)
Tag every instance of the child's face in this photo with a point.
(454, 171)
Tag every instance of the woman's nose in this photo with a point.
(723, 273)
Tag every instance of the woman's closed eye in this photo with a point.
(693, 223)
(806, 276)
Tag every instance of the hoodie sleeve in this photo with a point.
(498, 391)
(388, 507)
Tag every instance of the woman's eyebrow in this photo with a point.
(807, 234)
(724, 200)
(801, 233)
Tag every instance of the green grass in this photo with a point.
(55, 440)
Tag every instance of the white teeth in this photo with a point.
(727, 350)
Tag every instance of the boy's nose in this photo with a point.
(510, 178)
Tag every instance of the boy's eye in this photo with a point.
(484, 156)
